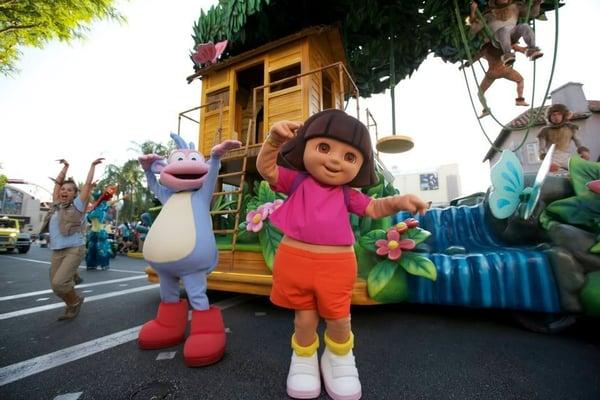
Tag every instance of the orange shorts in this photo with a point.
(304, 280)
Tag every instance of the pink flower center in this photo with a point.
(256, 219)
(392, 244)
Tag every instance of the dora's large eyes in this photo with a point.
(323, 148)
(177, 156)
(350, 157)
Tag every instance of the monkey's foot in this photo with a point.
(520, 101)
(508, 59)
(206, 343)
(533, 53)
(167, 329)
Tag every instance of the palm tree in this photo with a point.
(150, 147)
(130, 179)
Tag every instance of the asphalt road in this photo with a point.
(403, 351)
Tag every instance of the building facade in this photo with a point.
(436, 185)
(16, 201)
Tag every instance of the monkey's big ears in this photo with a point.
(157, 166)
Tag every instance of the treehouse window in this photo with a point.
(283, 73)
(213, 98)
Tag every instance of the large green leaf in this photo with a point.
(376, 191)
(269, 238)
(582, 172)
(366, 260)
(384, 223)
(368, 241)
(418, 265)
(265, 194)
(386, 283)
(417, 234)
(582, 210)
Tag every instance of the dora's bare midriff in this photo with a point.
(317, 248)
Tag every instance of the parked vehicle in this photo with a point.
(11, 237)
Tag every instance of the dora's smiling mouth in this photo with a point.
(333, 171)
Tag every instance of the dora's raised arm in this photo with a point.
(266, 162)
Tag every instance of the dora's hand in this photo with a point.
(283, 131)
(411, 203)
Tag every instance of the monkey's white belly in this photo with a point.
(173, 234)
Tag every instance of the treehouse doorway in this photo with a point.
(247, 80)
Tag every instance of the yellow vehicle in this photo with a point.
(11, 237)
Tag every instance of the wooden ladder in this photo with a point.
(239, 192)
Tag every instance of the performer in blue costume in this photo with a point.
(181, 245)
(99, 250)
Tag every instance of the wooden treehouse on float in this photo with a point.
(290, 78)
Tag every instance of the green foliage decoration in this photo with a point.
(418, 28)
(386, 278)
(581, 210)
(269, 237)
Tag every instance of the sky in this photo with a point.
(126, 83)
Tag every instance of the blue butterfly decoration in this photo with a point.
(509, 193)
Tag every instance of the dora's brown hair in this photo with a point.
(336, 124)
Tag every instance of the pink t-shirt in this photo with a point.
(316, 213)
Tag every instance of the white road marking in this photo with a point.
(260, 314)
(43, 299)
(32, 310)
(81, 266)
(166, 355)
(68, 396)
(87, 291)
(123, 284)
(23, 369)
(85, 285)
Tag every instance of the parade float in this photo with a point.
(257, 68)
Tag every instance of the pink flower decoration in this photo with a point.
(266, 209)
(393, 246)
(276, 204)
(594, 186)
(255, 219)
(269, 207)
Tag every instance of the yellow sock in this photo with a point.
(307, 351)
(340, 349)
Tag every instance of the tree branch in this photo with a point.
(17, 27)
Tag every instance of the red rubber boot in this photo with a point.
(167, 329)
(206, 343)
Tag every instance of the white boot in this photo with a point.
(340, 376)
(304, 380)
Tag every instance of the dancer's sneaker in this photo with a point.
(304, 379)
(340, 376)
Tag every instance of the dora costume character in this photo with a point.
(315, 266)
